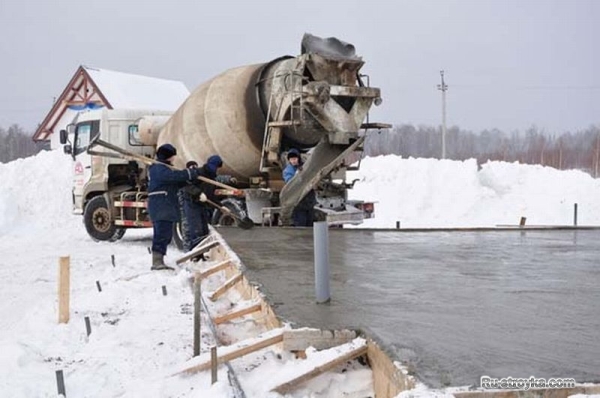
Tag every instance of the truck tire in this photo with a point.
(99, 223)
(223, 219)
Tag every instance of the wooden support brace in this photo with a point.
(319, 369)
(64, 289)
(226, 354)
(215, 268)
(226, 286)
(198, 251)
(237, 313)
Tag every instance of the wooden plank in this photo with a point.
(320, 369)
(236, 313)
(198, 251)
(215, 268)
(388, 379)
(64, 289)
(226, 286)
(226, 354)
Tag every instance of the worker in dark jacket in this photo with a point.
(196, 208)
(163, 185)
(304, 212)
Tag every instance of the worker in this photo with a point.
(304, 212)
(198, 212)
(163, 205)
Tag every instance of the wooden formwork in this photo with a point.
(388, 379)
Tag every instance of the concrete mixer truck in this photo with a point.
(251, 116)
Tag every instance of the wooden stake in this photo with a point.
(164, 290)
(64, 289)
(98, 286)
(226, 286)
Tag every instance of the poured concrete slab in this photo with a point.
(453, 306)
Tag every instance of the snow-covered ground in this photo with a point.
(140, 336)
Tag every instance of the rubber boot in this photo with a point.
(158, 262)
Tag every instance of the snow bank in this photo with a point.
(446, 193)
(36, 192)
(417, 192)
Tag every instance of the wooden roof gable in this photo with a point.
(80, 93)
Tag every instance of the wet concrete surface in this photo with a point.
(452, 306)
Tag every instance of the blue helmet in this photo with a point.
(214, 162)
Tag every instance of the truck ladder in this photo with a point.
(273, 128)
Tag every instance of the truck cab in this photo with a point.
(99, 181)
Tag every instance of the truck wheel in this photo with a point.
(223, 219)
(99, 223)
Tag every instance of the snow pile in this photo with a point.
(445, 193)
(36, 192)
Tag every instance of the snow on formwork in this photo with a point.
(446, 193)
(129, 91)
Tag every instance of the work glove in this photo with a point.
(202, 197)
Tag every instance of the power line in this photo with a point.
(443, 88)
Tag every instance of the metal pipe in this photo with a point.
(321, 249)
(197, 306)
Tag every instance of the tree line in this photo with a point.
(16, 143)
(580, 150)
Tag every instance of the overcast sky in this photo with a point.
(509, 64)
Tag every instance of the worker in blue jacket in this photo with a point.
(197, 210)
(163, 205)
(304, 212)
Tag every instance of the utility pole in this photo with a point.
(443, 88)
